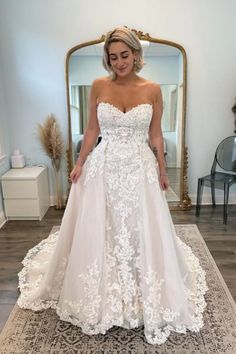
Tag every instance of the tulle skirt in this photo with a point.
(116, 259)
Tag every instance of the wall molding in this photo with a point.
(52, 199)
(206, 199)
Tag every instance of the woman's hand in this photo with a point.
(164, 182)
(75, 173)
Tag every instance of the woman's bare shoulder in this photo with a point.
(150, 84)
(98, 86)
(99, 82)
(151, 88)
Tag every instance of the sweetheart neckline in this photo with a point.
(119, 110)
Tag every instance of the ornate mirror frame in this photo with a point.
(185, 202)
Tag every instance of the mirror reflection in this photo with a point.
(164, 65)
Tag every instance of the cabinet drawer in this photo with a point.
(20, 189)
(24, 207)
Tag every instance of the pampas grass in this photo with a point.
(51, 139)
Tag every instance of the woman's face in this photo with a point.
(121, 58)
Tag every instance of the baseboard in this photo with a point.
(206, 199)
(52, 199)
(171, 165)
(3, 219)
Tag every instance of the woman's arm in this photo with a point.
(156, 137)
(91, 133)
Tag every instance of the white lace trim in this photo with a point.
(149, 307)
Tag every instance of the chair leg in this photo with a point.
(199, 196)
(213, 193)
(226, 199)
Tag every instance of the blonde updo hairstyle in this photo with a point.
(127, 36)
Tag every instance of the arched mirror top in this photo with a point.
(141, 36)
(166, 64)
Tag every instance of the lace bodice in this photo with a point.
(124, 142)
(128, 128)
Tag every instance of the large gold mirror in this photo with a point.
(165, 63)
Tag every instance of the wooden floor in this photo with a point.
(16, 237)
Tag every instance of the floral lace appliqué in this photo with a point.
(121, 287)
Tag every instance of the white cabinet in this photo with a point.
(25, 193)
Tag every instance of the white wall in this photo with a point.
(4, 142)
(35, 36)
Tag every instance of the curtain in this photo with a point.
(84, 92)
(74, 109)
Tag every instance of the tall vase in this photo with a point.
(57, 174)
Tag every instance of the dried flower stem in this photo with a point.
(51, 140)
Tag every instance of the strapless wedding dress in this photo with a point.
(117, 259)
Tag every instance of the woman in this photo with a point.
(117, 259)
